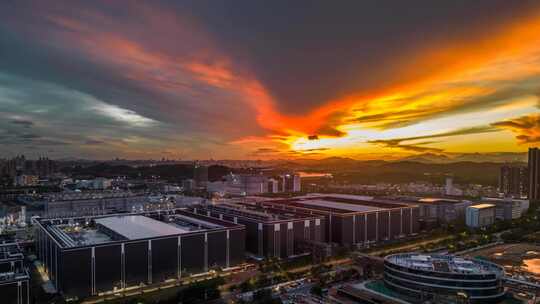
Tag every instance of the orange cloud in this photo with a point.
(526, 128)
(429, 84)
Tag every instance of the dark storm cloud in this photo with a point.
(56, 59)
(262, 152)
(166, 74)
(29, 136)
(24, 123)
(94, 142)
(419, 146)
(47, 77)
(33, 139)
(310, 52)
(407, 147)
(526, 128)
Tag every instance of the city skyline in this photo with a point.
(200, 80)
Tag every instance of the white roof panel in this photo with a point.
(135, 227)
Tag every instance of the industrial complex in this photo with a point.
(116, 254)
(355, 220)
(95, 255)
(271, 232)
(14, 277)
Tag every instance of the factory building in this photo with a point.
(436, 211)
(103, 202)
(481, 215)
(14, 277)
(508, 208)
(355, 220)
(88, 256)
(240, 184)
(270, 232)
(82, 203)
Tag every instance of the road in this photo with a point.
(408, 246)
(329, 263)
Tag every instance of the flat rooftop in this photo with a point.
(341, 203)
(256, 212)
(337, 205)
(433, 200)
(134, 227)
(10, 251)
(443, 263)
(75, 232)
(482, 206)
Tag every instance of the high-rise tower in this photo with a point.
(534, 175)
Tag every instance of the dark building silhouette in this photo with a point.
(200, 175)
(42, 167)
(534, 174)
(514, 181)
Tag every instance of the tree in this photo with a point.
(264, 296)
(316, 290)
(246, 286)
(201, 292)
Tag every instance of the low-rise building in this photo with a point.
(101, 183)
(188, 184)
(508, 208)
(270, 232)
(92, 203)
(353, 220)
(87, 256)
(25, 180)
(481, 215)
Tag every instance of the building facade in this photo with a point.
(200, 175)
(437, 211)
(534, 175)
(355, 221)
(481, 215)
(514, 181)
(270, 232)
(508, 208)
(291, 183)
(99, 255)
(93, 203)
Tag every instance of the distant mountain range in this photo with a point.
(496, 157)
(478, 168)
(425, 158)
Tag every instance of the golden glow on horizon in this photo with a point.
(443, 102)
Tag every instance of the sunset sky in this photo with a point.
(268, 79)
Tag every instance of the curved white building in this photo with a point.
(423, 276)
